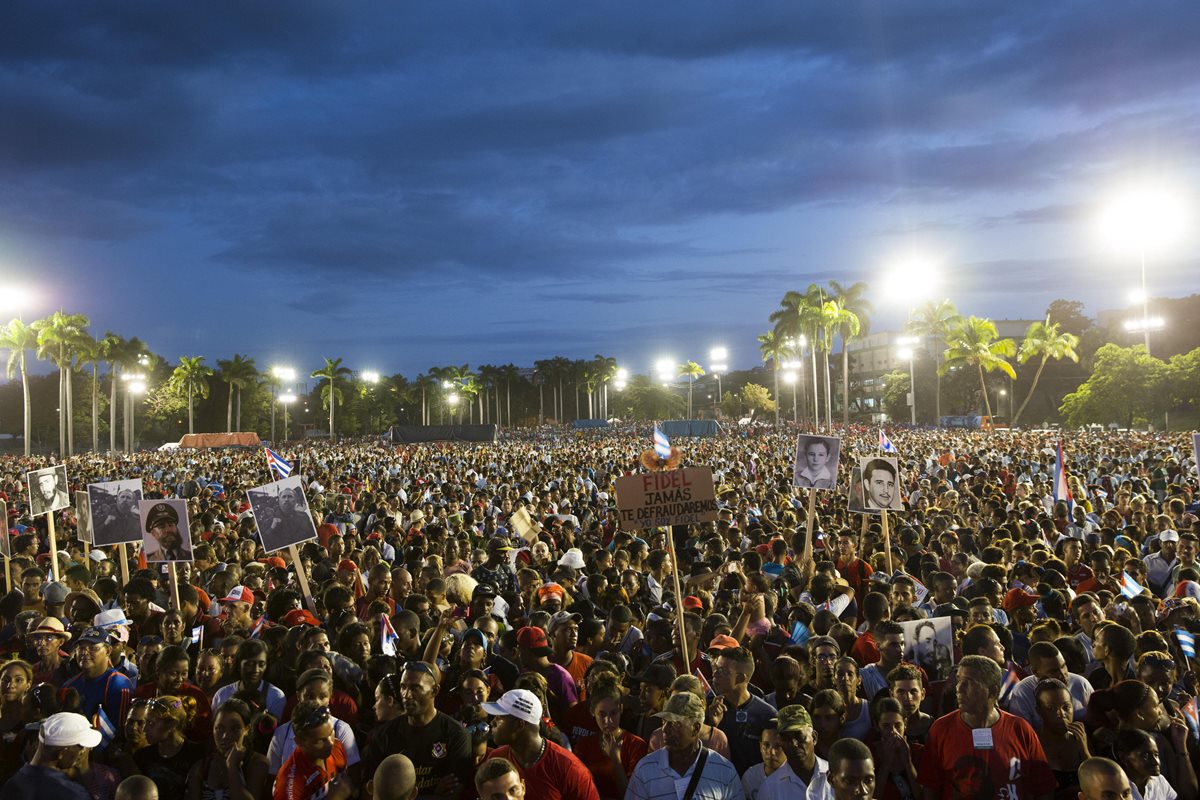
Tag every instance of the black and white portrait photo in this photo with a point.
(48, 490)
(281, 514)
(881, 484)
(166, 535)
(83, 517)
(114, 512)
(816, 464)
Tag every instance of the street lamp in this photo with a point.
(791, 377)
(15, 299)
(1144, 219)
(135, 385)
(907, 351)
(286, 400)
(719, 356)
(280, 374)
(370, 376)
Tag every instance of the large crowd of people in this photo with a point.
(472, 621)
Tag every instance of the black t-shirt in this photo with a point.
(169, 774)
(436, 750)
(743, 727)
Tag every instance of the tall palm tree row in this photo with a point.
(1044, 341)
(974, 343)
(331, 394)
(773, 351)
(856, 321)
(934, 320)
(191, 377)
(240, 373)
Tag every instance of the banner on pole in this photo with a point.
(660, 499)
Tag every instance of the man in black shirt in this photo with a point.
(496, 570)
(437, 745)
(742, 715)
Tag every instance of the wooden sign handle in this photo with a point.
(53, 545)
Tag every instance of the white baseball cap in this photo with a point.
(1169, 536)
(98, 556)
(66, 729)
(572, 558)
(519, 703)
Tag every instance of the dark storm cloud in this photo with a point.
(565, 148)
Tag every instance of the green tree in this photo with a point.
(331, 395)
(856, 322)
(974, 343)
(1184, 376)
(111, 347)
(240, 373)
(1126, 383)
(58, 335)
(774, 351)
(757, 397)
(691, 370)
(1044, 341)
(191, 378)
(644, 398)
(18, 338)
(933, 320)
(896, 386)
(90, 354)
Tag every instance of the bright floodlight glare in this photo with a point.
(136, 387)
(905, 353)
(665, 367)
(370, 377)
(910, 280)
(1147, 324)
(1137, 297)
(14, 299)
(789, 377)
(284, 373)
(719, 354)
(446, 384)
(287, 398)
(1143, 218)
(908, 340)
(793, 364)
(452, 399)
(129, 377)
(620, 384)
(622, 374)
(720, 368)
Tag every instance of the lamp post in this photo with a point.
(135, 386)
(719, 356)
(286, 400)
(453, 401)
(792, 378)
(1142, 219)
(911, 281)
(287, 374)
(908, 351)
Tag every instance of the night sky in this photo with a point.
(416, 184)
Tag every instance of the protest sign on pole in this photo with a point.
(661, 499)
(47, 490)
(816, 462)
(281, 514)
(113, 509)
(83, 520)
(523, 525)
(167, 534)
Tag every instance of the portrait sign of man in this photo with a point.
(281, 514)
(167, 536)
(114, 512)
(930, 645)
(83, 517)
(817, 462)
(881, 484)
(48, 490)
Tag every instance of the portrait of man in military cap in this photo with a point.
(48, 490)
(165, 532)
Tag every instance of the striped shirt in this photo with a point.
(653, 779)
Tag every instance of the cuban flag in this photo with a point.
(1010, 682)
(280, 467)
(1192, 716)
(1187, 642)
(258, 627)
(108, 731)
(387, 636)
(1129, 587)
(197, 633)
(662, 445)
(1061, 490)
(885, 444)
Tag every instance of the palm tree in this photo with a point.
(331, 395)
(933, 320)
(131, 356)
(853, 301)
(488, 380)
(1045, 340)
(508, 374)
(542, 371)
(89, 354)
(191, 376)
(606, 369)
(239, 372)
(110, 349)
(17, 338)
(692, 370)
(974, 342)
(837, 319)
(772, 348)
(425, 382)
(57, 336)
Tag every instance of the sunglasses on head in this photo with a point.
(420, 666)
(314, 719)
(479, 728)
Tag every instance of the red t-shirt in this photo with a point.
(1014, 768)
(865, 651)
(301, 779)
(601, 766)
(557, 775)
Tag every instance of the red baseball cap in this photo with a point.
(1018, 598)
(693, 603)
(723, 642)
(347, 564)
(239, 594)
(532, 638)
(299, 616)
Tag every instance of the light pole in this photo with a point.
(287, 374)
(792, 378)
(286, 400)
(1140, 219)
(719, 356)
(135, 386)
(908, 351)
(453, 401)
(372, 378)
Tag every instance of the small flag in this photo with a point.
(708, 690)
(1010, 682)
(277, 464)
(662, 445)
(885, 444)
(1129, 587)
(1062, 491)
(1187, 642)
(108, 731)
(1192, 716)
(197, 632)
(258, 627)
(387, 636)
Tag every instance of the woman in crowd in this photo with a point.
(16, 681)
(1064, 740)
(313, 686)
(1137, 753)
(857, 721)
(168, 755)
(612, 753)
(233, 771)
(828, 717)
